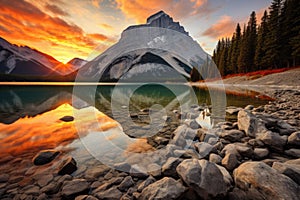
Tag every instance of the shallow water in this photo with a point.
(29, 115)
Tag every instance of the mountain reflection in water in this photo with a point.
(29, 115)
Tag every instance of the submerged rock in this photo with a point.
(67, 118)
(45, 156)
(266, 181)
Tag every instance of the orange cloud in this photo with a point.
(223, 28)
(56, 10)
(107, 26)
(23, 23)
(139, 10)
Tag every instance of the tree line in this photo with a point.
(272, 44)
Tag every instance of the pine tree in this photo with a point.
(235, 46)
(274, 37)
(260, 52)
(252, 40)
(291, 31)
(243, 51)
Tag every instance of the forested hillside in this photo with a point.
(272, 44)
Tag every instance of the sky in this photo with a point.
(66, 29)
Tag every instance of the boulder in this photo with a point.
(290, 170)
(284, 128)
(247, 122)
(273, 140)
(260, 153)
(145, 183)
(203, 149)
(233, 135)
(293, 152)
(266, 181)
(110, 194)
(68, 166)
(294, 139)
(73, 188)
(126, 183)
(230, 161)
(97, 171)
(215, 158)
(203, 177)
(169, 168)
(44, 157)
(165, 189)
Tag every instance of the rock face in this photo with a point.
(204, 177)
(150, 52)
(294, 139)
(266, 181)
(44, 157)
(164, 189)
(247, 122)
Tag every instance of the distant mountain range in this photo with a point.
(160, 50)
(23, 62)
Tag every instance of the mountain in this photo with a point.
(159, 50)
(25, 61)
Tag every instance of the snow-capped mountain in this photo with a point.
(23, 60)
(160, 50)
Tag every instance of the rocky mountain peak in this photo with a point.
(162, 20)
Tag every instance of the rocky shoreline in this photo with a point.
(254, 155)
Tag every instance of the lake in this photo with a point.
(29, 114)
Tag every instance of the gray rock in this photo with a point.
(260, 153)
(97, 171)
(71, 189)
(285, 128)
(145, 183)
(110, 194)
(138, 171)
(44, 157)
(169, 168)
(256, 143)
(203, 177)
(247, 122)
(233, 135)
(51, 188)
(230, 161)
(273, 140)
(290, 170)
(294, 139)
(165, 189)
(203, 149)
(215, 158)
(126, 183)
(293, 152)
(266, 181)
(154, 170)
(244, 150)
(68, 166)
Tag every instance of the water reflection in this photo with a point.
(29, 115)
